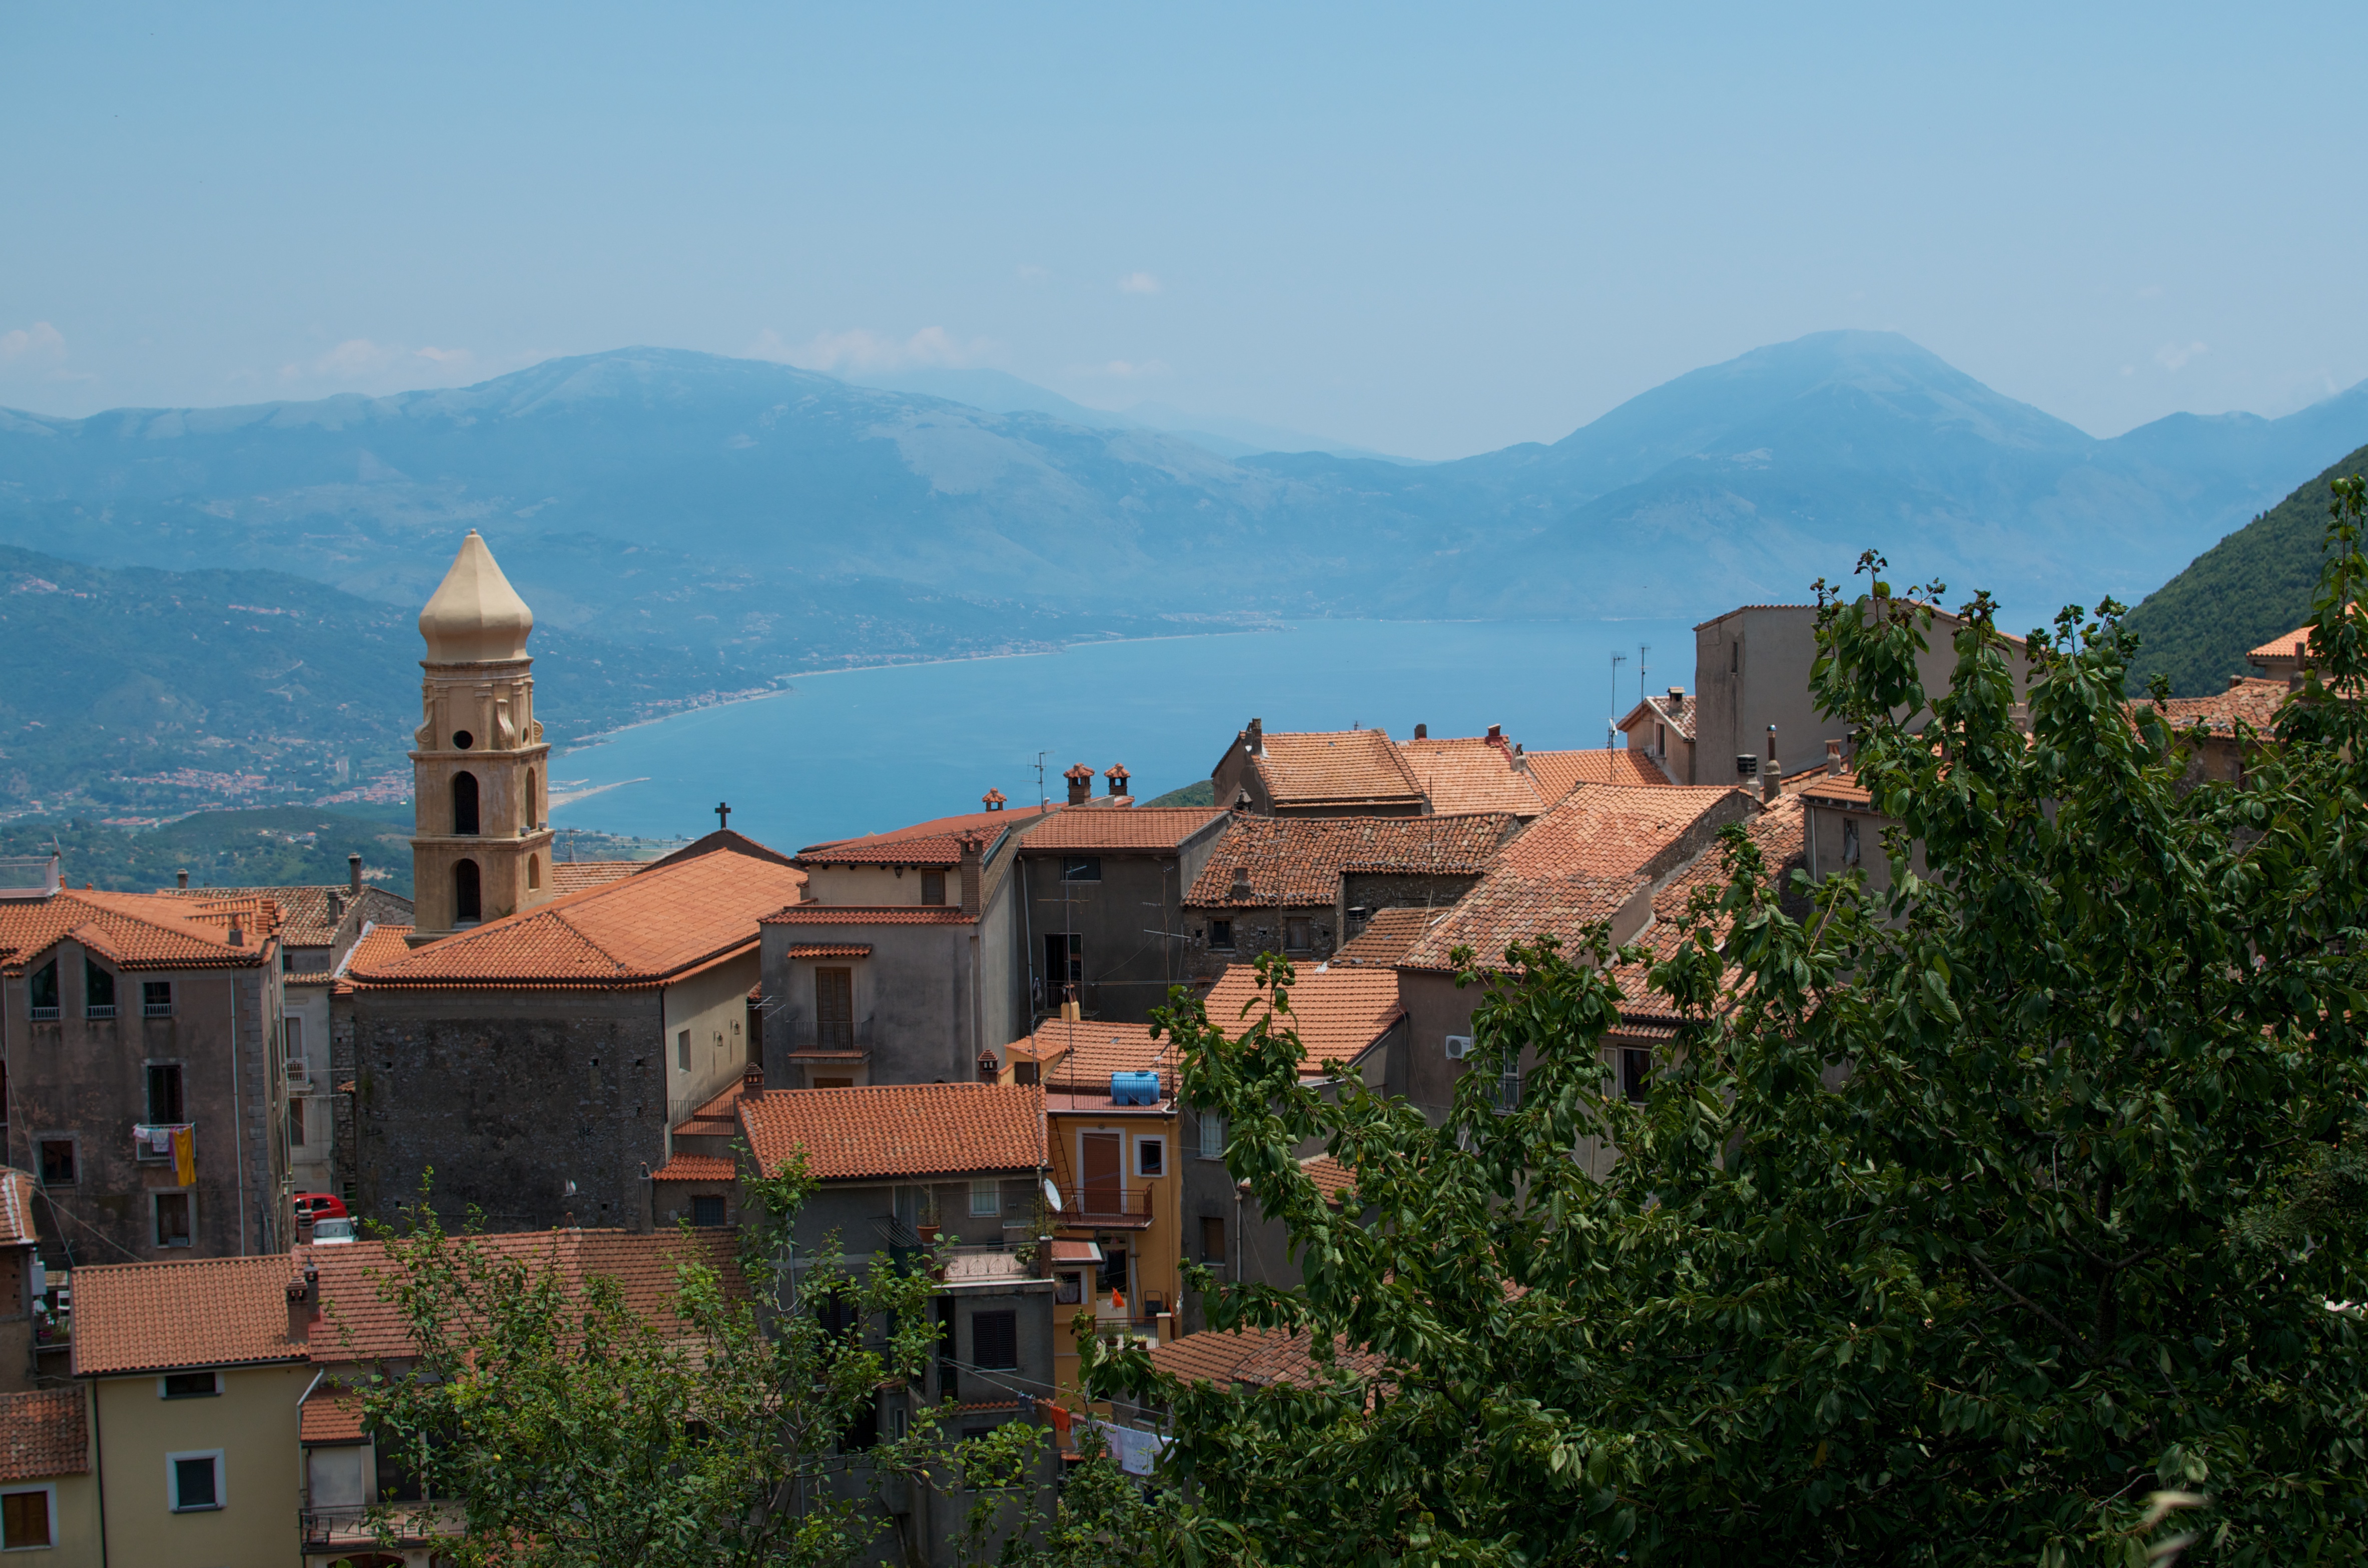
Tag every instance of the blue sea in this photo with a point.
(860, 751)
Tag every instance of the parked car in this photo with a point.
(320, 1206)
(331, 1232)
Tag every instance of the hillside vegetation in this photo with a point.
(2249, 587)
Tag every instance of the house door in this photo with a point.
(834, 1009)
(1104, 1186)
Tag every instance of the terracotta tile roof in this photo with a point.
(206, 1312)
(1557, 773)
(1837, 790)
(136, 930)
(719, 1118)
(935, 843)
(825, 950)
(1738, 610)
(1338, 1011)
(1138, 829)
(356, 1325)
(869, 914)
(1298, 860)
(1337, 768)
(377, 946)
(1507, 909)
(696, 1167)
(1067, 1251)
(575, 876)
(2294, 644)
(331, 1414)
(1079, 1057)
(1781, 834)
(2252, 701)
(627, 935)
(1387, 934)
(1612, 830)
(1463, 776)
(1677, 713)
(902, 1130)
(1258, 1357)
(17, 1189)
(1331, 1177)
(44, 1433)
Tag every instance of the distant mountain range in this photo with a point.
(762, 516)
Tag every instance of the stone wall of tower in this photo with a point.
(478, 719)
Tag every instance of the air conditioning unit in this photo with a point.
(1459, 1045)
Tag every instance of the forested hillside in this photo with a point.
(2245, 590)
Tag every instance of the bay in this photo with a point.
(860, 751)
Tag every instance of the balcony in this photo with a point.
(42, 1015)
(145, 1139)
(347, 1526)
(156, 1009)
(979, 1267)
(300, 1073)
(99, 1010)
(1106, 1208)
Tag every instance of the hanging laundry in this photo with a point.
(184, 1145)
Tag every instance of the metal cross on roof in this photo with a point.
(723, 815)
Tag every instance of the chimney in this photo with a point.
(1772, 780)
(1118, 776)
(1241, 888)
(989, 1069)
(1255, 737)
(1833, 758)
(180, 878)
(1081, 783)
(992, 799)
(303, 1303)
(1241, 799)
(973, 870)
(1676, 699)
(354, 875)
(238, 937)
(1495, 731)
(1422, 731)
(752, 1082)
(2235, 681)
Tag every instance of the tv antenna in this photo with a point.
(1612, 725)
(1040, 799)
(1642, 649)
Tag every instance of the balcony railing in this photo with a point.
(41, 1015)
(99, 1010)
(156, 1009)
(348, 1525)
(986, 1265)
(1106, 1207)
(144, 1146)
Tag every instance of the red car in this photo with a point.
(319, 1206)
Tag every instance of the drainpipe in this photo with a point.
(238, 1117)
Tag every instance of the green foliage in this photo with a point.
(2014, 1218)
(1201, 793)
(2252, 587)
(273, 847)
(569, 1429)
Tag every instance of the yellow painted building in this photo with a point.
(1115, 1162)
(48, 1485)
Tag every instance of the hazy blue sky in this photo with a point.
(1432, 231)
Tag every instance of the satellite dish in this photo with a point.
(1051, 1195)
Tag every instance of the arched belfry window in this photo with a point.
(534, 871)
(468, 897)
(464, 802)
(532, 812)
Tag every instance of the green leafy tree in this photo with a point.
(2013, 1217)
(571, 1425)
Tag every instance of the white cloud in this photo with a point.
(859, 349)
(1123, 370)
(450, 359)
(40, 343)
(1138, 283)
(2171, 357)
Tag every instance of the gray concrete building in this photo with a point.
(1100, 902)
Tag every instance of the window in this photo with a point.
(172, 1218)
(1635, 1077)
(156, 998)
(707, 1211)
(1151, 1156)
(1064, 963)
(296, 1122)
(994, 1340)
(985, 1196)
(1081, 868)
(464, 802)
(1850, 843)
(1068, 1290)
(1213, 1240)
(287, 960)
(42, 994)
(1298, 935)
(97, 992)
(1507, 1099)
(682, 1051)
(292, 1033)
(834, 1009)
(165, 1100)
(533, 872)
(933, 887)
(189, 1385)
(1213, 1136)
(1221, 933)
(462, 740)
(194, 1481)
(1733, 658)
(468, 897)
(25, 1519)
(533, 821)
(58, 1162)
(1660, 737)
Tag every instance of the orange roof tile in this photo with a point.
(137, 930)
(2250, 700)
(207, 1311)
(696, 1167)
(309, 915)
(1613, 830)
(902, 1130)
(2294, 644)
(825, 950)
(1387, 934)
(1557, 773)
(1677, 713)
(331, 1414)
(575, 876)
(1507, 909)
(1338, 1012)
(44, 1433)
(1258, 1357)
(1781, 834)
(1836, 789)
(1338, 768)
(1331, 1177)
(17, 1189)
(869, 914)
(637, 932)
(1463, 776)
(356, 1325)
(1139, 829)
(935, 843)
(1079, 1057)
(1299, 861)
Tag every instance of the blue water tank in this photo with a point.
(1135, 1088)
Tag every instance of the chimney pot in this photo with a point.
(354, 875)
(2235, 681)
(1241, 799)
(302, 1292)
(1422, 731)
(973, 870)
(1676, 699)
(1772, 780)
(1118, 776)
(752, 1082)
(1495, 731)
(1241, 888)
(989, 1069)
(181, 878)
(1081, 783)
(1833, 758)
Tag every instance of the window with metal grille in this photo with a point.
(156, 998)
(1213, 1136)
(1507, 1096)
(994, 1340)
(707, 1211)
(986, 1195)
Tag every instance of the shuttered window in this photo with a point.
(995, 1341)
(834, 1009)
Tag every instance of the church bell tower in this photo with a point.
(480, 846)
